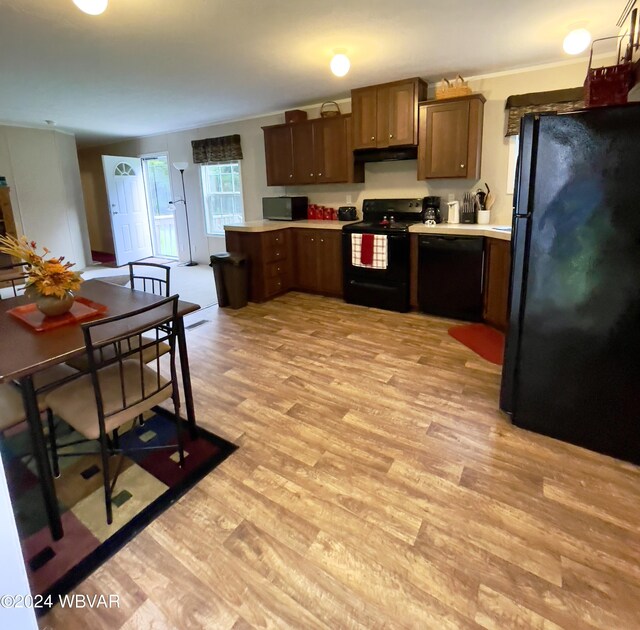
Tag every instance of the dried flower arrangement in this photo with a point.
(47, 277)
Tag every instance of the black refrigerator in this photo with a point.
(572, 354)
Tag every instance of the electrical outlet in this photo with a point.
(452, 197)
(349, 200)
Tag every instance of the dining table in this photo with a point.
(24, 352)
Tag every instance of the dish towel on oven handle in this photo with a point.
(379, 256)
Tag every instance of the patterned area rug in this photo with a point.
(148, 483)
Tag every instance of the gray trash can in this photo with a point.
(230, 271)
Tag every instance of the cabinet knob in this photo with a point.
(390, 135)
(319, 174)
(311, 240)
(373, 138)
(310, 174)
(278, 268)
(278, 254)
(291, 176)
(322, 240)
(461, 165)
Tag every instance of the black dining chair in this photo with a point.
(147, 277)
(150, 277)
(119, 387)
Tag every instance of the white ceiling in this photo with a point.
(150, 66)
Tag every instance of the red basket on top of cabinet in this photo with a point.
(610, 85)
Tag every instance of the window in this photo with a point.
(514, 149)
(222, 192)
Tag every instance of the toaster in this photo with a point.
(347, 213)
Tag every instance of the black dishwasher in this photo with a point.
(450, 276)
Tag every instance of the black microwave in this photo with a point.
(285, 208)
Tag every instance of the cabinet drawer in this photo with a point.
(275, 269)
(274, 285)
(274, 246)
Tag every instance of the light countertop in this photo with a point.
(464, 229)
(265, 225)
(461, 229)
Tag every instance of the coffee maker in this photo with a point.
(431, 211)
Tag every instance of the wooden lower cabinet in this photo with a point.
(496, 282)
(281, 260)
(270, 261)
(318, 261)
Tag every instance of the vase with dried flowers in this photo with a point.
(50, 281)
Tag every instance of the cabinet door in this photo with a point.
(304, 169)
(329, 248)
(382, 117)
(364, 117)
(496, 288)
(306, 260)
(331, 150)
(278, 150)
(402, 114)
(444, 138)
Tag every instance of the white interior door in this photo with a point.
(127, 208)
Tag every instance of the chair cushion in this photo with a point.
(75, 402)
(11, 407)
(148, 354)
(11, 404)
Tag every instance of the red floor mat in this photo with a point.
(482, 339)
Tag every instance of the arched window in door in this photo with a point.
(124, 170)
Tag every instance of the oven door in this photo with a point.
(380, 288)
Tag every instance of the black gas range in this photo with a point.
(384, 284)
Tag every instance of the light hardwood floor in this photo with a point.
(376, 486)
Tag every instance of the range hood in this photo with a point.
(393, 154)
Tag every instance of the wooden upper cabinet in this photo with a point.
(311, 152)
(450, 138)
(331, 149)
(278, 150)
(402, 114)
(364, 112)
(304, 163)
(387, 115)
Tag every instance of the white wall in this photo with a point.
(41, 167)
(13, 577)
(384, 179)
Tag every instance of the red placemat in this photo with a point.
(81, 311)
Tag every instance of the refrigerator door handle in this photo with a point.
(517, 296)
(526, 167)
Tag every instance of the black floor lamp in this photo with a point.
(182, 167)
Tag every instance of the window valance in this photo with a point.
(559, 101)
(217, 150)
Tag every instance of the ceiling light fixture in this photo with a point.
(576, 41)
(92, 7)
(340, 64)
